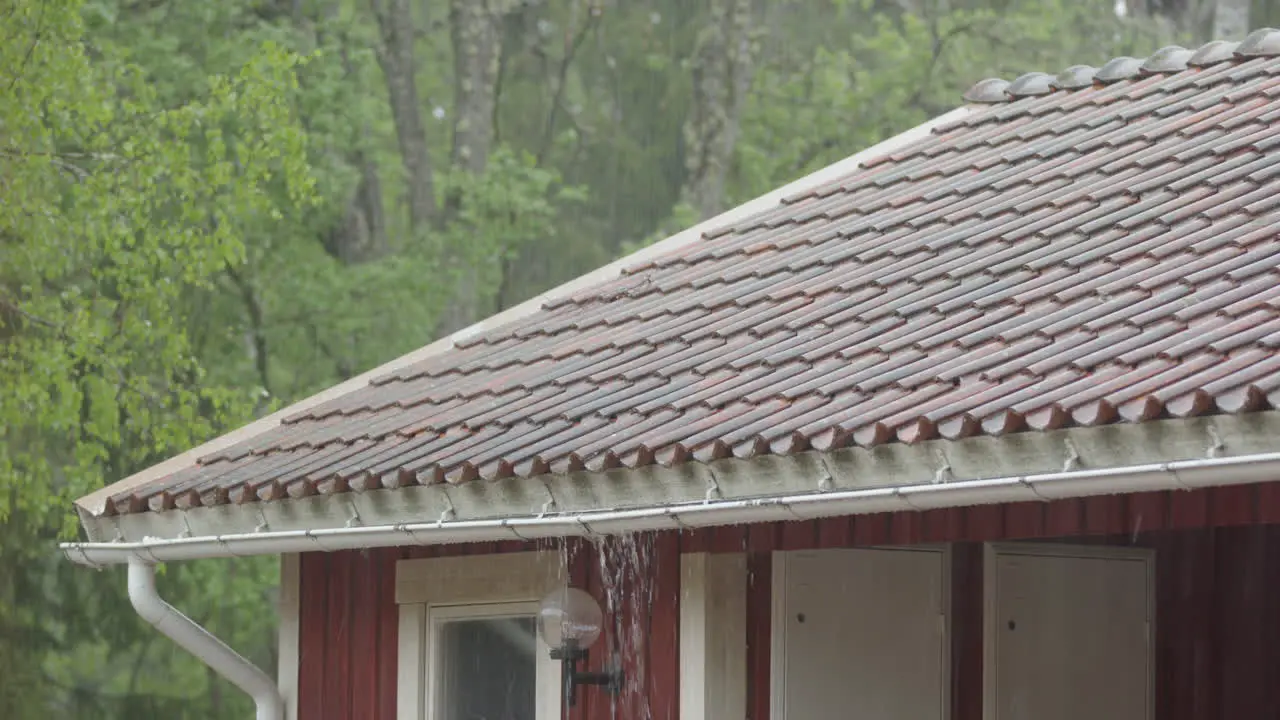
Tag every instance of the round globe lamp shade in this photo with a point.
(569, 616)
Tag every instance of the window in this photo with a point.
(485, 660)
(469, 648)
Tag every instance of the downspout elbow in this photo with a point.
(200, 642)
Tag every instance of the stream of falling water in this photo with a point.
(627, 572)
(624, 571)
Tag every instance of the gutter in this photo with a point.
(1175, 475)
(200, 642)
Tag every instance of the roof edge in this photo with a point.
(447, 513)
(811, 504)
(94, 504)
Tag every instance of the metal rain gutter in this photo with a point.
(200, 642)
(1175, 475)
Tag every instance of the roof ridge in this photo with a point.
(1263, 42)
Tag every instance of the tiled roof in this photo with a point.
(1091, 248)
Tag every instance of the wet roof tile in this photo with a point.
(1107, 253)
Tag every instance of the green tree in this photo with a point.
(119, 204)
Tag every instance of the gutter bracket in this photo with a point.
(943, 474)
(353, 518)
(87, 561)
(906, 498)
(827, 481)
(1177, 476)
(201, 643)
(549, 506)
(675, 518)
(1216, 445)
(506, 524)
(713, 488)
(1072, 461)
(404, 528)
(449, 513)
(1024, 482)
(787, 506)
(263, 525)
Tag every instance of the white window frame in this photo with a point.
(990, 634)
(779, 614)
(289, 607)
(434, 590)
(713, 636)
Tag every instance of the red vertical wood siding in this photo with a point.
(1217, 596)
(364, 635)
(966, 631)
(349, 626)
(1217, 645)
(313, 632)
(385, 654)
(1218, 600)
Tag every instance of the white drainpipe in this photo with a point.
(1176, 475)
(200, 642)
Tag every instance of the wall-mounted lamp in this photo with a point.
(569, 621)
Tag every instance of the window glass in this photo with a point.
(487, 669)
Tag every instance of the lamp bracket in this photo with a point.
(570, 654)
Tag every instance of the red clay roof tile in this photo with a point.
(1097, 255)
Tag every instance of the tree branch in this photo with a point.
(63, 160)
(254, 309)
(13, 307)
(594, 11)
(31, 49)
(13, 152)
(939, 46)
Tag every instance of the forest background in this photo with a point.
(211, 209)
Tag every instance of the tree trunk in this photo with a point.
(1170, 18)
(395, 55)
(256, 333)
(723, 65)
(362, 234)
(1231, 19)
(475, 29)
(476, 32)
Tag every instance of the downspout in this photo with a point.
(200, 642)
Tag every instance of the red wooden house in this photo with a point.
(981, 423)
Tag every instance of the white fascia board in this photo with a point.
(929, 468)
(1163, 455)
(94, 504)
